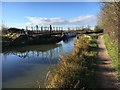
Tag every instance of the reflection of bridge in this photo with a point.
(50, 53)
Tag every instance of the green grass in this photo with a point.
(91, 63)
(112, 49)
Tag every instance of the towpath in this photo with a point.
(106, 75)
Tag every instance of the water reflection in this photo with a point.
(42, 51)
(68, 40)
(28, 64)
(23, 65)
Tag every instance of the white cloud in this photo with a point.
(45, 21)
(80, 20)
(84, 20)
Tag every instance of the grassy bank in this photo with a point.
(112, 48)
(78, 69)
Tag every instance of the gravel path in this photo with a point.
(106, 75)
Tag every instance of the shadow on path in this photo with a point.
(106, 75)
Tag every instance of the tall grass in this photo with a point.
(76, 70)
(112, 48)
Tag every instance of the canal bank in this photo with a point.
(78, 69)
(24, 40)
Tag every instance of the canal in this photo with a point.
(26, 67)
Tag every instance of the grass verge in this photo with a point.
(112, 48)
(78, 69)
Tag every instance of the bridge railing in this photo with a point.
(43, 32)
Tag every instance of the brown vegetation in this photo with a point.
(76, 69)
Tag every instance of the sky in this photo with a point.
(65, 14)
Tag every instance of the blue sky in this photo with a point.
(21, 14)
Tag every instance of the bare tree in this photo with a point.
(50, 29)
(37, 27)
(108, 19)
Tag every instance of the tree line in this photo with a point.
(108, 19)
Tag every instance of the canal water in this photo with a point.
(26, 67)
